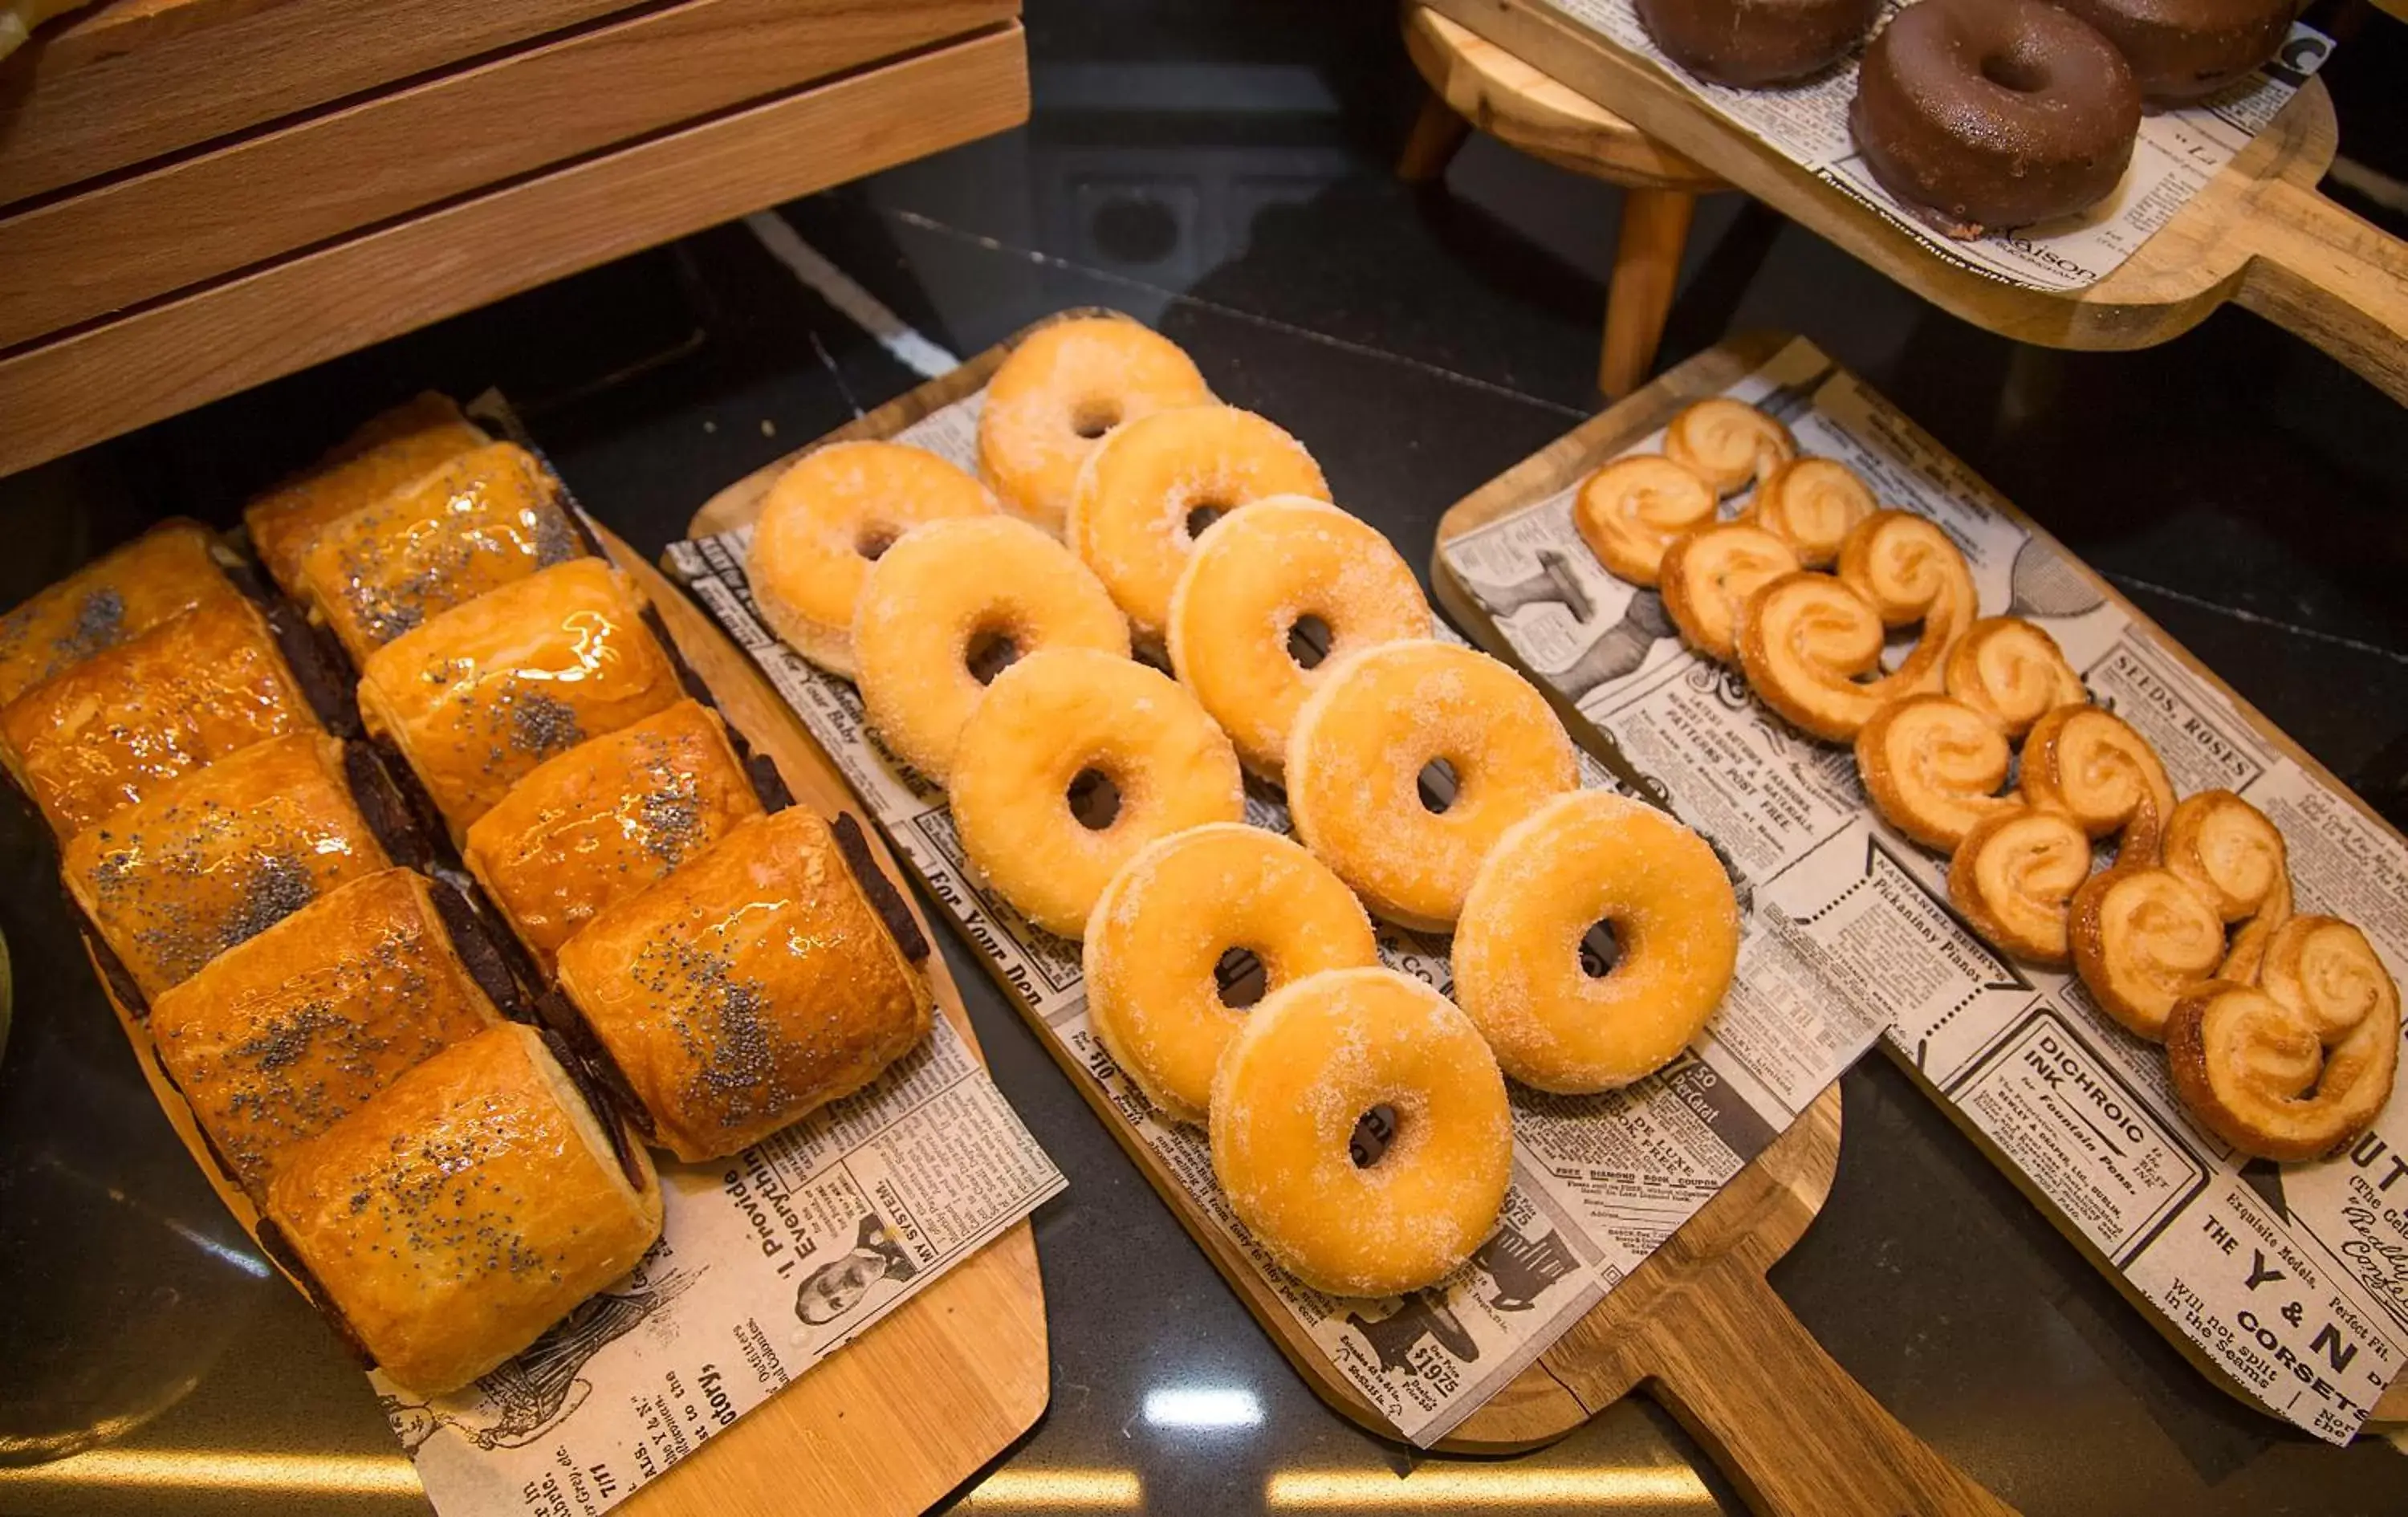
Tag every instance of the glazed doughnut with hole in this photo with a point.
(1061, 390)
(2011, 671)
(1359, 747)
(1707, 575)
(1748, 44)
(1140, 490)
(1993, 114)
(2181, 49)
(1162, 927)
(1728, 443)
(949, 601)
(1252, 584)
(1630, 512)
(1047, 721)
(2013, 878)
(828, 516)
(1580, 858)
(1932, 768)
(1311, 1062)
(1812, 504)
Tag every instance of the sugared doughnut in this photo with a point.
(948, 602)
(829, 515)
(1994, 114)
(1748, 44)
(1580, 858)
(2012, 672)
(1630, 510)
(1312, 1061)
(1357, 753)
(1134, 510)
(1707, 576)
(1728, 443)
(1812, 504)
(1932, 768)
(1251, 580)
(1162, 926)
(2181, 49)
(1048, 721)
(1060, 391)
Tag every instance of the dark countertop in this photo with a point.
(1222, 172)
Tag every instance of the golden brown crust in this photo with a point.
(2011, 879)
(279, 1037)
(2012, 672)
(750, 987)
(1630, 510)
(387, 453)
(2141, 939)
(485, 692)
(1728, 443)
(2089, 765)
(1707, 575)
(466, 1209)
(1932, 768)
(1812, 504)
(605, 820)
(219, 856)
(116, 727)
(167, 571)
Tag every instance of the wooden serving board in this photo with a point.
(1696, 1326)
(2259, 234)
(921, 1401)
(1579, 451)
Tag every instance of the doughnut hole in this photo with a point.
(1375, 1133)
(1202, 515)
(1240, 978)
(990, 651)
(874, 538)
(1094, 417)
(2011, 71)
(1308, 641)
(1095, 798)
(1600, 948)
(1438, 785)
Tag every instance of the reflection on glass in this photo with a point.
(214, 1470)
(1504, 1488)
(1203, 1406)
(1057, 1490)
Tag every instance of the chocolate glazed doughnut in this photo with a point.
(2181, 49)
(1993, 113)
(1753, 43)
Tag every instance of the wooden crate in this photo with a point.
(198, 195)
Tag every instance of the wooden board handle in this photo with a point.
(1786, 1424)
(2335, 279)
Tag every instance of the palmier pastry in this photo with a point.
(1749, 44)
(466, 1209)
(279, 1036)
(1707, 575)
(605, 820)
(2142, 938)
(2182, 50)
(219, 856)
(1630, 512)
(1812, 504)
(754, 985)
(483, 693)
(2229, 851)
(114, 728)
(1061, 389)
(2012, 672)
(2296, 1066)
(2089, 765)
(167, 571)
(387, 453)
(477, 520)
(1933, 768)
(1728, 443)
(2013, 878)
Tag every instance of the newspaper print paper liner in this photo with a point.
(2177, 154)
(1600, 1182)
(2293, 1279)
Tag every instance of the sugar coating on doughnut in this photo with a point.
(1360, 743)
(1251, 579)
(827, 517)
(1051, 718)
(931, 601)
(1578, 860)
(1063, 389)
(1159, 930)
(1130, 511)
(1311, 1062)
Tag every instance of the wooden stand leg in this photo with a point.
(1646, 266)
(1436, 132)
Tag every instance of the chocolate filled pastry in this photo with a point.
(115, 728)
(477, 522)
(2181, 49)
(167, 571)
(1994, 114)
(1753, 43)
(280, 1037)
(219, 856)
(605, 820)
(387, 453)
(754, 985)
(483, 693)
(470, 1206)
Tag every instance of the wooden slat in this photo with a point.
(73, 259)
(66, 394)
(128, 81)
